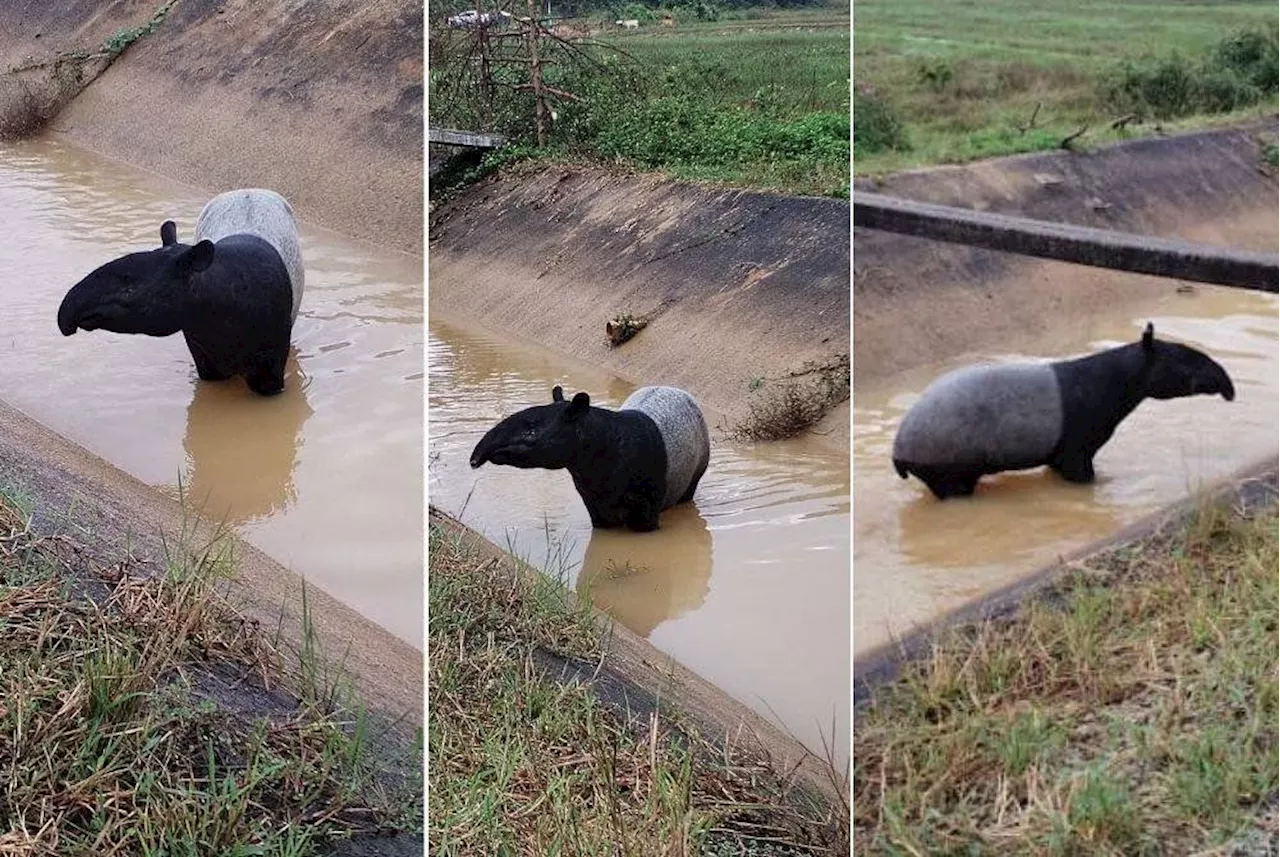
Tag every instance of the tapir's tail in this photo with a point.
(901, 467)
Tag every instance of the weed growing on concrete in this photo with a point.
(118, 42)
(33, 93)
(791, 405)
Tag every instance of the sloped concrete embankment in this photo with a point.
(919, 302)
(736, 285)
(320, 101)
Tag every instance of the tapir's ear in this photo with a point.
(1148, 336)
(557, 393)
(197, 258)
(579, 405)
(168, 233)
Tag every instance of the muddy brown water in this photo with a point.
(325, 478)
(916, 558)
(748, 586)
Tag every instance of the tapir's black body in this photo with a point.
(990, 419)
(618, 459)
(241, 326)
(620, 469)
(232, 301)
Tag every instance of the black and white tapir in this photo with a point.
(988, 419)
(234, 294)
(628, 465)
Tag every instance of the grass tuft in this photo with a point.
(124, 727)
(793, 404)
(1134, 712)
(526, 758)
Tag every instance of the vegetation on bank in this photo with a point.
(760, 101)
(527, 759)
(32, 93)
(779, 408)
(941, 82)
(1133, 713)
(140, 713)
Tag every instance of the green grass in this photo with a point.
(127, 724)
(965, 79)
(524, 763)
(706, 102)
(1136, 715)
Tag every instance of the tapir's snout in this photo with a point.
(67, 317)
(480, 454)
(1222, 384)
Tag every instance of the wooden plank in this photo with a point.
(1101, 248)
(452, 137)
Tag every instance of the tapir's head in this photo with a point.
(545, 436)
(139, 292)
(1175, 371)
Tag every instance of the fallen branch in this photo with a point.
(1066, 141)
(1031, 123)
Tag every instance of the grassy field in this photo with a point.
(967, 80)
(140, 713)
(522, 763)
(1137, 715)
(759, 101)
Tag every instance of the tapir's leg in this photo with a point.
(205, 368)
(1073, 468)
(693, 485)
(946, 484)
(643, 521)
(266, 377)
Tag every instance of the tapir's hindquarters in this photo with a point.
(984, 419)
(264, 214)
(684, 436)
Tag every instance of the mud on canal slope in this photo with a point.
(924, 307)
(319, 101)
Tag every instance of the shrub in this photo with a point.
(876, 128)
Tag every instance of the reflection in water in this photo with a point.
(916, 557)
(324, 478)
(748, 586)
(250, 477)
(927, 528)
(641, 580)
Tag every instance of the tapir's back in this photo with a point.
(985, 418)
(684, 434)
(260, 212)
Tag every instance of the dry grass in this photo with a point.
(526, 761)
(788, 406)
(1136, 714)
(128, 722)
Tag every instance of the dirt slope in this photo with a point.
(321, 101)
(737, 285)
